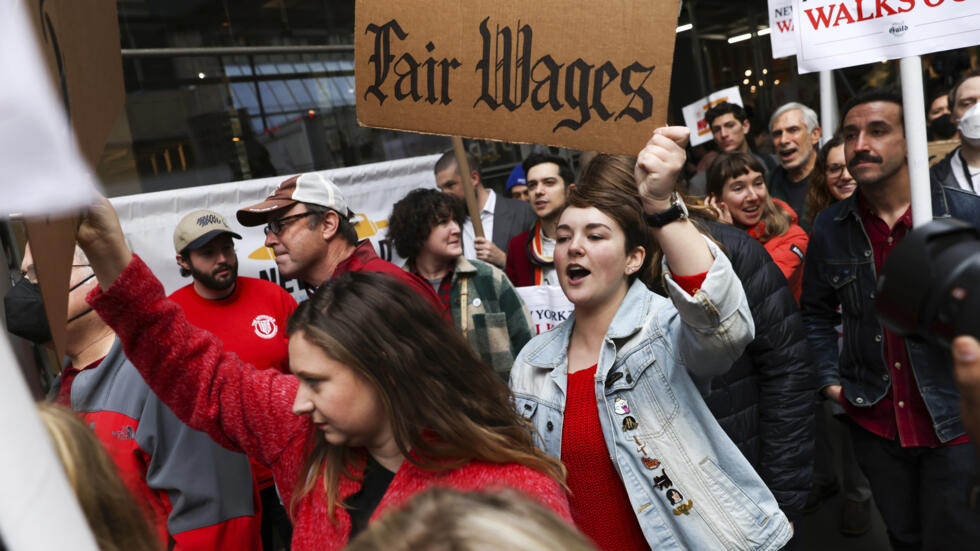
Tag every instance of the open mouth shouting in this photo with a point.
(576, 273)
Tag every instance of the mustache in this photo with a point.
(862, 158)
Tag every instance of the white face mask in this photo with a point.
(969, 126)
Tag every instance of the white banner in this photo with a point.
(694, 113)
(782, 31)
(371, 190)
(842, 33)
(548, 306)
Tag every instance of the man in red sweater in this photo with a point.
(248, 315)
(325, 244)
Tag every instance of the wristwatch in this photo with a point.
(677, 211)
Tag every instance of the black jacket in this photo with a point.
(765, 402)
(941, 173)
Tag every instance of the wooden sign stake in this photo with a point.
(467, 183)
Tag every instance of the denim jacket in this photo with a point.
(840, 270)
(688, 485)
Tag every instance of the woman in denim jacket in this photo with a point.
(614, 391)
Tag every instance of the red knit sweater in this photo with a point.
(249, 410)
(600, 506)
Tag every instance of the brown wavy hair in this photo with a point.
(113, 513)
(819, 197)
(445, 405)
(615, 172)
(734, 164)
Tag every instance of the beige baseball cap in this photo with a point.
(305, 188)
(197, 228)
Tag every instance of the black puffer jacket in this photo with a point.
(765, 402)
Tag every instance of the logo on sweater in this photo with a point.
(265, 326)
(124, 433)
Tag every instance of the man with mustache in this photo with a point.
(898, 393)
(795, 131)
(249, 316)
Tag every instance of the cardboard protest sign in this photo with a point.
(573, 73)
(843, 33)
(694, 113)
(548, 305)
(782, 31)
(80, 45)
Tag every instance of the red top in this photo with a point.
(250, 322)
(901, 412)
(250, 410)
(600, 506)
(364, 259)
(67, 378)
(519, 268)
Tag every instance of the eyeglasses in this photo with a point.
(835, 170)
(276, 226)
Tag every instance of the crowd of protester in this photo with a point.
(722, 357)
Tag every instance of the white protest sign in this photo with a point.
(694, 113)
(149, 219)
(842, 33)
(43, 172)
(782, 32)
(548, 306)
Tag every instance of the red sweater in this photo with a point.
(251, 410)
(600, 506)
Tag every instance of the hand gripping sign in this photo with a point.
(573, 73)
(843, 33)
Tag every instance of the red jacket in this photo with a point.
(787, 250)
(251, 410)
(364, 259)
(198, 495)
(519, 269)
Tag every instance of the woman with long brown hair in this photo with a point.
(614, 390)
(379, 406)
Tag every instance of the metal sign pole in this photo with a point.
(916, 140)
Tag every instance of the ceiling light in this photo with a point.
(200, 75)
(763, 32)
(745, 82)
(685, 27)
(748, 72)
(739, 38)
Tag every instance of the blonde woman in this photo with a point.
(113, 515)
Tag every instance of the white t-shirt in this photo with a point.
(486, 216)
(956, 164)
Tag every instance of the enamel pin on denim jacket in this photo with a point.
(688, 484)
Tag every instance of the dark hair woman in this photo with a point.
(379, 406)
(764, 402)
(737, 191)
(425, 229)
(613, 391)
(830, 182)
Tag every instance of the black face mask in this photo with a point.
(942, 127)
(24, 311)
